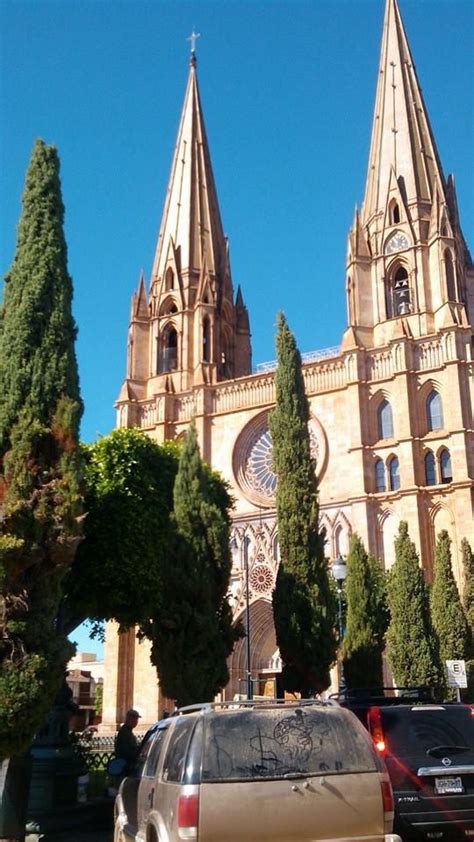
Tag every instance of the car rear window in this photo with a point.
(417, 730)
(273, 743)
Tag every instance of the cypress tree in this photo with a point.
(40, 468)
(411, 644)
(192, 631)
(447, 615)
(304, 607)
(367, 618)
(468, 586)
(468, 605)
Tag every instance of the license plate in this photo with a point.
(444, 786)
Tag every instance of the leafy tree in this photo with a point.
(468, 605)
(468, 585)
(40, 464)
(447, 615)
(98, 699)
(192, 630)
(367, 618)
(127, 532)
(304, 607)
(411, 644)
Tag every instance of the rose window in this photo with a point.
(261, 578)
(253, 463)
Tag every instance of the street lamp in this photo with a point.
(246, 540)
(339, 573)
(248, 669)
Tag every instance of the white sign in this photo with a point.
(456, 673)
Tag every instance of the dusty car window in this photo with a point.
(175, 756)
(278, 743)
(154, 753)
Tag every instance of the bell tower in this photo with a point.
(409, 271)
(190, 330)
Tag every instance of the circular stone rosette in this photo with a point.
(252, 459)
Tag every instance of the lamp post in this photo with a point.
(339, 573)
(247, 616)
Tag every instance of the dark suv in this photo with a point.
(428, 749)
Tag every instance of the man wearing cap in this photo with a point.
(126, 744)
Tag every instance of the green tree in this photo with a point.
(411, 644)
(468, 605)
(40, 464)
(447, 615)
(367, 618)
(192, 631)
(304, 607)
(98, 699)
(129, 482)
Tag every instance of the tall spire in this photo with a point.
(191, 218)
(402, 140)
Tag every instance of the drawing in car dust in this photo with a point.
(295, 739)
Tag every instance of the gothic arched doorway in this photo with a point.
(264, 656)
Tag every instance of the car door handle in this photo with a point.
(151, 796)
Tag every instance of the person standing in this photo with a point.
(126, 744)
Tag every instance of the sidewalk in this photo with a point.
(74, 836)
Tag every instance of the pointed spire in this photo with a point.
(191, 218)
(401, 135)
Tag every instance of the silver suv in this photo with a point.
(274, 771)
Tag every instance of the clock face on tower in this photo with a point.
(396, 242)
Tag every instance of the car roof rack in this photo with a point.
(385, 695)
(205, 707)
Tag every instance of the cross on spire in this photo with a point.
(193, 38)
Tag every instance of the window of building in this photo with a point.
(385, 420)
(450, 278)
(401, 292)
(394, 213)
(434, 411)
(206, 340)
(169, 279)
(169, 350)
(380, 475)
(445, 467)
(394, 474)
(430, 469)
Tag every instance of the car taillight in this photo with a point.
(375, 728)
(188, 812)
(387, 796)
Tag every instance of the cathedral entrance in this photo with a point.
(265, 663)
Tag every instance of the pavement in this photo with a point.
(73, 835)
(90, 822)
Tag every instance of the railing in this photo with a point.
(307, 357)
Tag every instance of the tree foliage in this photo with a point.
(447, 615)
(192, 629)
(127, 532)
(40, 463)
(366, 619)
(411, 644)
(468, 605)
(303, 600)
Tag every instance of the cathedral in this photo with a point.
(391, 408)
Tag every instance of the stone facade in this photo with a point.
(391, 425)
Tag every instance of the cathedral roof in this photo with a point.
(191, 220)
(402, 140)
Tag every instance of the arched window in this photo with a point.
(445, 467)
(168, 307)
(385, 420)
(393, 471)
(169, 279)
(450, 278)
(401, 292)
(394, 213)
(380, 475)
(430, 469)
(206, 340)
(434, 411)
(169, 350)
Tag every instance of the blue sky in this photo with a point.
(288, 91)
